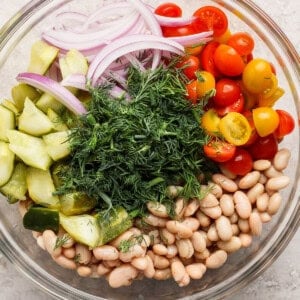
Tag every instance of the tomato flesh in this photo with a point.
(219, 151)
(168, 10)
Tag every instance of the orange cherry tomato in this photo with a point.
(286, 124)
(191, 91)
(168, 10)
(189, 65)
(205, 83)
(242, 42)
(266, 120)
(219, 151)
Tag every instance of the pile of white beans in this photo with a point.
(200, 237)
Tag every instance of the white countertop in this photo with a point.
(280, 281)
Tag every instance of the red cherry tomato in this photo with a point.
(242, 42)
(207, 58)
(190, 65)
(240, 164)
(254, 134)
(286, 124)
(227, 92)
(168, 10)
(178, 31)
(191, 91)
(211, 18)
(237, 106)
(264, 147)
(228, 61)
(219, 151)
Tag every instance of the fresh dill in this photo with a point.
(61, 240)
(77, 258)
(126, 245)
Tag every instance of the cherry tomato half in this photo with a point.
(242, 42)
(286, 124)
(189, 65)
(211, 18)
(168, 10)
(264, 147)
(266, 120)
(254, 135)
(177, 31)
(219, 151)
(228, 61)
(240, 164)
(237, 106)
(227, 92)
(210, 122)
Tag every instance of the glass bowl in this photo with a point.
(18, 245)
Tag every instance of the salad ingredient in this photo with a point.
(47, 101)
(266, 120)
(264, 147)
(7, 122)
(189, 65)
(191, 91)
(165, 21)
(286, 124)
(7, 158)
(168, 9)
(57, 122)
(207, 58)
(227, 92)
(237, 106)
(219, 151)
(22, 91)
(193, 39)
(205, 84)
(57, 144)
(184, 30)
(242, 42)
(210, 122)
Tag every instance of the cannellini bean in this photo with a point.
(224, 229)
(212, 212)
(244, 225)
(134, 251)
(185, 280)
(246, 239)
(111, 263)
(180, 206)
(263, 179)
(49, 239)
(204, 234)
(179, 228)
(242, 204)
(215, 189)
(84, 271)
(261, 164)
(135, 231)
(281, 159)
(262, 202)
(235, 229)
(172, 251)
(198, 241)
(265, 217)
(227, 173)
(140, 263)
(65, 262)
(202, 255)
(249, 180)
(230, 246)
(22, 206)
(203, 219)
(274, 204)
(196, 270)
(173, 191)
(146, 241)
(255, 192)
(160, 249)
(103, 270)
(83, 253)
(94, 273)
(191, 208)
(167, 237)
(216, 259)
(36, 234)
(106, 252)
(278, 183)
(272, 172)
(154, 237)
(69, 252)
(122, 237)
(178, 270)
(157, 209)
(160, 262)
(226, 183)
(209, 200)
(155, 221)
(191, 223)
(40, 242)
(255, 223)
(122, 276)
(227, 205)
(185, 248)
(162, 274)
(234, 218)
(212, 233)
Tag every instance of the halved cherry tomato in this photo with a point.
(237, 106)
(264, 147)
(235, 128)
(207, 58)
(211, 18)
(286, 124)
(191, 91)
(210, 122)
(227, 92)
(190, 65)
(228, 61)
(205, 83)
(168, 10)
(266, 120)
(270, 101)
(222, 39)
(240, 164)
(254, 135)
(178, 31)
(242, 42)
(219, 151)
(194, 50)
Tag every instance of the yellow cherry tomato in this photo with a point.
(270, 100)
(210, 122)
(193, 50)
(257, 76)
(266, 120)
(235, 128)
(205, 83)
(224, 37)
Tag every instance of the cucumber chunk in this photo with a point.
(112, 224)
(33, 121)
(7, 158)
(16, 187)
(57, 144)
(11, 106)
(41, 218)
(41, 188)
(7, 122)
(22, 91)
(82, 228)
(58, 124)
(31, 150)
(41, 57)
(46, 101)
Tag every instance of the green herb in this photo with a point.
(77, 258)
(128, 153)
(61, 240)
(126, 245)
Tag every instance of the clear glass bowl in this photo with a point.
(18, 245)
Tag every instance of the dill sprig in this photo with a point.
(61, 240)
(127, 153)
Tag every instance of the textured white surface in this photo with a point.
(280, 281)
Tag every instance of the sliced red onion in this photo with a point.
(193, 39)
(135, 62)
(127, 45)
(53, 88)
(75, 80)
(118, 92)
(174, 22)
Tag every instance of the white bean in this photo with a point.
(202, 255)
(254, 192)
(212, 212)
(178, 270)
(196, 270)
(203, 219)
(249, 180)
(274, 203)
(65, 262)
(246, 239)
(224, 229)
(230, 246)
(191, 223)
(281, 159)
(191, 208)
(103, 270)
(180, 206)
(216, 259)
(172, 251)
(162, 274)
(215, 189)
(272, 172)
(209, 200)
(212, 233)
(122, 276)
(278, 183)
(244, 225)
(198, 241)
(155, 221)
(261, 164)
(179, 228)
(185, 248)
(265, 217)
(140, 263)
(242, 204)
(167, 237)
(227, 205)
(49, 239)
(157, 209)
(226, 183)
(262, 202)
(69, 252)
(106, 252)
(83, 253)
(227, 173)
(255, 223)
(160, 249)
(84, 271)
(149, 271)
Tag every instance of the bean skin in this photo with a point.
(226, 183)
(224, 229)
(191, 208)
(227, 205)
(274, 204)
(230, 246)
(157, 209)
(242, 204)
(122, 276)
(255, 223)
(249, 180)
(198, 241)
(278, 183)
(261, 165)
(216, 259)
(281, 159)
(178, 270)
(262, 202)
(196, 270)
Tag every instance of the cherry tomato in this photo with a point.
(264, 147)
(168, 10)
(242, 42)
(257, 76)
(237, 106)
(227, 92)
(189, 65)
(266, 120)
(270, 101)
(240, 164)
(219, 151)
(194, 50)
(228, 61)
(222, 39)
(210, 122)
(207, 58)
(286, 124)
(191, 91)
(249, 116)
(211, 18)
(235, 128)
(178, 31)
(205, 83)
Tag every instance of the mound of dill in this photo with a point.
(127, 153)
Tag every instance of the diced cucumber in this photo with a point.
(16, 187)
(82, 228)
(46, 101)
(31, 150)
(41, 57)
(22, 91)
(41, 218)
(41, 187)
(58, 169)
(33, 121)
(112, 224)
(7, 121)
(57, 144)
(76, 203)
(11, 106)
(7, 159)
(58, 124)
